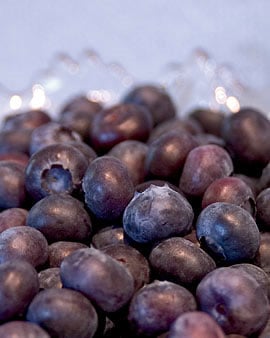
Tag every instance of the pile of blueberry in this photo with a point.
(130, 221)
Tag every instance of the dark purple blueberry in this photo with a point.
(247, 136)
(180, 261)
(231, 190)
(12, 185)
(102, 279)
(85, 149)
(203, 165)
(257, 273)
(60, 250)
(55, 169)
(174, 124)
(265, 333)
(263, 208)
(23, 242)
(167, 154)
(211, 121)
(157, 305)
(26, 120)
(252, 182)
(51, 133)
(15, 157)
(204, 139)
(50, 278)
(119, 123)
(192, 237)
(265, 177)
(15, 141)
(195, 324)
(12, 217)
(133, 260)
(132, 153)
(78, 114)
(108, 236)
(63, 313)
(234, 299)
(157, 213)
(108, 187)
(18, 285)
(228, 232)
(81, 104)
(155, 99)
(20, 329)
(262, 258)
(60, 217)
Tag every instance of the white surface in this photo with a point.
(143, 35)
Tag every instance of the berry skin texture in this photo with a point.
(54, 169)
(157, 213)
(63, 313)
(228, 232)
(155, 307)
(108, 188)
(234, 299)
(18, 285)
(203, 165)
(102, 279)
(195, 324)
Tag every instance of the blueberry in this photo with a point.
(54, 169)
(106, 282)
(173, 124)
(231, 190)
(263, 208)
(228, 233)
(133, 260)
(153, 98)
(60, 250)
(195, 324)
(108, 187)
(12, 217)
(51, 133)
(119, 123)
(85, 149)
(211, 121)
(108, 236)
(20, 329)
(26, 120)
(203, 165)
(180, 261)
(12, 185)
(265, 177)
(132, 153)
(81, 104)
(167, 154)
(262, 258)
(23, 242)
(157, 213)
(247, 136)
(16, 157)
(15, 141)
(60, 217)
(156, 306)
(78, 114)
(257, 273)
(234, 299)
(49, 278)
(18, 285)
(63, 313)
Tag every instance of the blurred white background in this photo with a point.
(143, 35)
